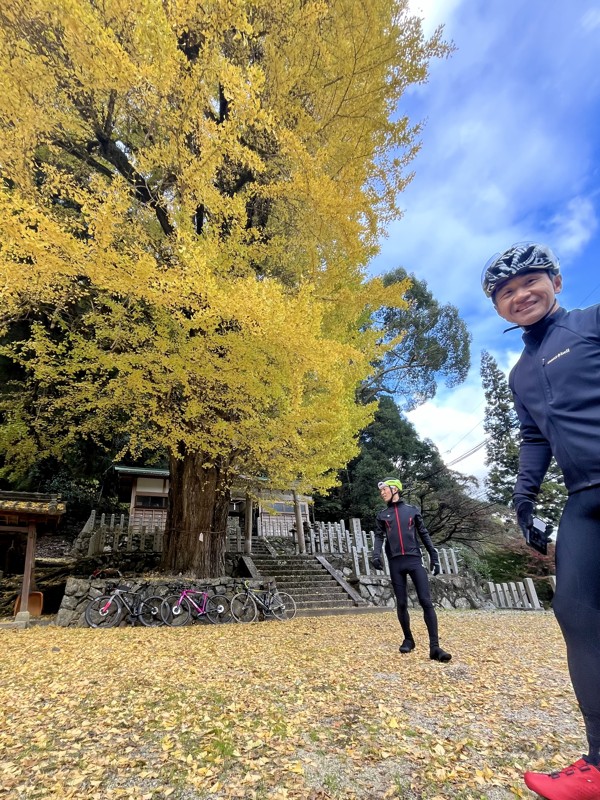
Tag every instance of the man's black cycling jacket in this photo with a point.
(556, 387)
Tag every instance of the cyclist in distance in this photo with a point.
(397, 526)
(556, 391)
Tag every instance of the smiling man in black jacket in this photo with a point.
(397, 525)
(556, 389)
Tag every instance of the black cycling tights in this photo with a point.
(400, 568)
(577, 600)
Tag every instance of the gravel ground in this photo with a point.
(313, 709)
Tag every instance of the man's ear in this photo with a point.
(557, 283)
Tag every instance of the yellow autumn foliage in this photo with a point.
(190, 196)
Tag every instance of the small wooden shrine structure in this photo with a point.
(21, 513)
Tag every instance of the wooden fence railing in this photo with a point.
(334, 538)
(116, 533)
(520, 596)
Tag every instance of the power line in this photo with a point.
(481, 421)
(589, 294)
(470, 452)
(455, 461)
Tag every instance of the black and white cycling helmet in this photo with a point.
(520, 257)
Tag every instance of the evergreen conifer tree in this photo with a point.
(390, 447)
(501, 426)
(502, 430)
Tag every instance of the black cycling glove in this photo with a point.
(525, 516)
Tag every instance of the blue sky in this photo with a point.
(510, 152)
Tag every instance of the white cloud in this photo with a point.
(454, 423)
(590, 20)
(574, 226)
(433, 12)
(453, 420)
(509, 153)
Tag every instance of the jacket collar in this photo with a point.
(536, 333)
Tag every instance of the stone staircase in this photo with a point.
(315, 590)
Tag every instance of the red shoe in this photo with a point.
(580, 781)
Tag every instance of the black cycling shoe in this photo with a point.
(437, 654)
(407, 645)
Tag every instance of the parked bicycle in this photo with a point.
(271, 602)
(122, 603)
(179, 609)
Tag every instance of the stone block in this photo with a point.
(69, 603)
(64, 617)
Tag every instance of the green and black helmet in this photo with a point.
(393, 483)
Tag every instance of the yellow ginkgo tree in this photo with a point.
(190, 194)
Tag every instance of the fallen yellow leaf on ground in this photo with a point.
(285, 711)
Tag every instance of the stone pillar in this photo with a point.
(248, 526)
(299, 525)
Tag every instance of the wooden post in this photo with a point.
(500, 595)
(29, 562)
(321, 537)
(532, 594)
(523, 595)
(454, 561)
(248, 526)
(445, 563)
(355, 562)
(515, 596)
(365, 561)
(330, 537)
(386, 563)
(299, 525)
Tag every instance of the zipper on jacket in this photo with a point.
(399, 530)
(545, 381)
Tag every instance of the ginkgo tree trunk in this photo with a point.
(190, 196)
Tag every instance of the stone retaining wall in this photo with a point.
(79, 592)
(447, 591)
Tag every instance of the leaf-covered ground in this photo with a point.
(311, 709)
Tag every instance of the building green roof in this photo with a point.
(145, 472)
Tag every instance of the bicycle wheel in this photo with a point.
(283, 606)
(175, 613)
(150, 612)
(243, 607)
(104, 611)
(218, 608)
